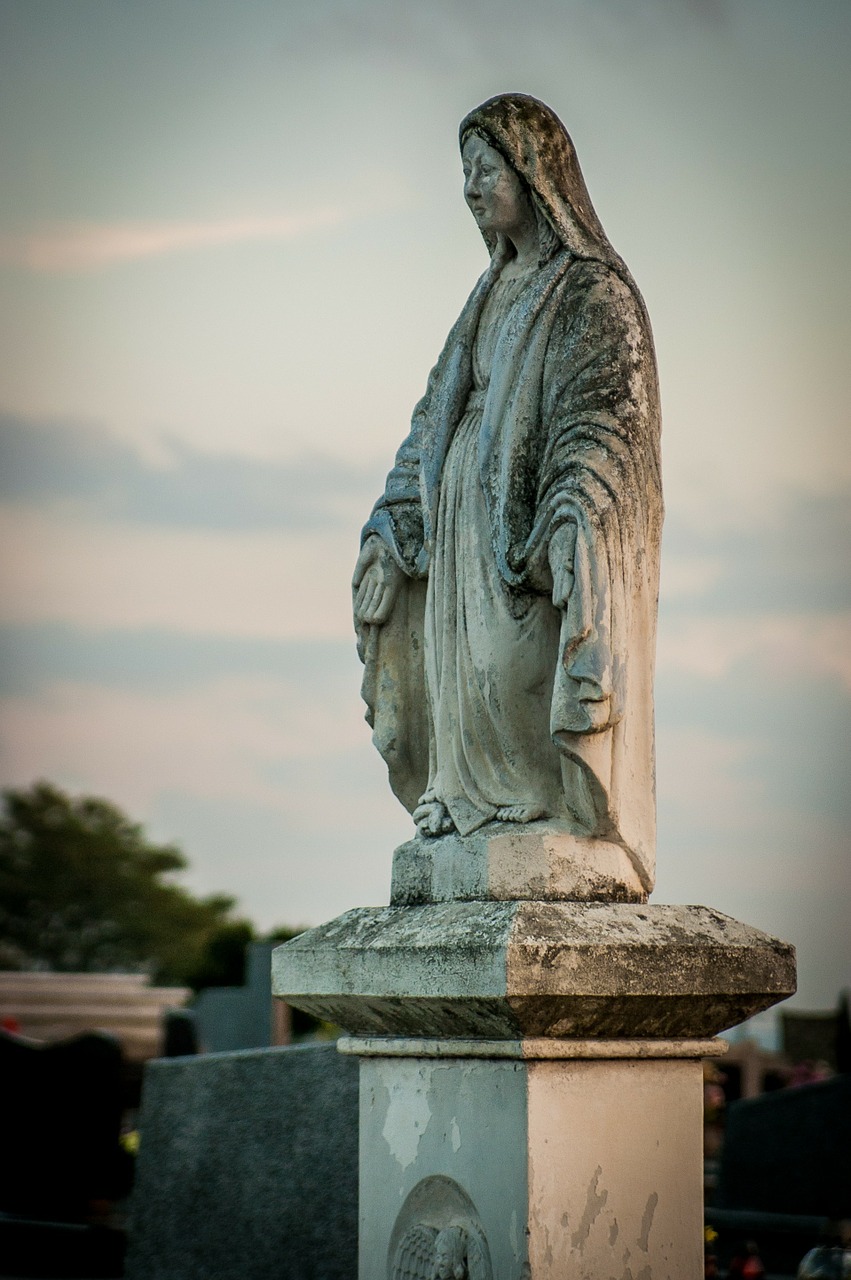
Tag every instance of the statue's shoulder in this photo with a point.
(597, 280)
(593, 297)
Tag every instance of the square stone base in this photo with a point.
(544, 1169)
(546, 1122)
(540, 861)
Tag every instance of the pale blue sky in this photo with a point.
(232, 242)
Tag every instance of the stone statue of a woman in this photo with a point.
(506, 591)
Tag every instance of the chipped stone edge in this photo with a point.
(529, 1049)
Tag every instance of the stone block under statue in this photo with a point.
(508, 862)
(531, 1082)
(531, 969)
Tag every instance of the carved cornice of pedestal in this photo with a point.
(520, 970)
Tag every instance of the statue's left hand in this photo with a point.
(375, 583)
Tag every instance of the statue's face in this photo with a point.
(495, 194)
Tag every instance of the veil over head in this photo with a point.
(530, 136)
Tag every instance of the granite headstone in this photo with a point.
(248, 1168)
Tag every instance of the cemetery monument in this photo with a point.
(530, 1030)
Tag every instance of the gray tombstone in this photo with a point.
(248, 1168)
(239, 1017)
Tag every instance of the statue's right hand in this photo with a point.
(375, 584)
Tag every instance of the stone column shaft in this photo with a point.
(579, 1167)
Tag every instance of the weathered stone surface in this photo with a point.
(509, 970)
(248, 1168)
(540, 861)
(527, 495)
(553, 1169)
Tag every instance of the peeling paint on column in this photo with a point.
(513, 1233)
(647, 1221)
(632, 1213)
(594, 1206)
(455, 1135)
(408, 1113)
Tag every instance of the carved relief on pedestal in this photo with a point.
(438, 1236)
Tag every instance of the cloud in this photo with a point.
(268, 782)
(88, 246)
(286, 873)
(704, 775)
(689, 575)
(279, 585)
(199, 544)
(52, 462)
(748, 824)
(802, 647)
(227, 735)
(772, 600)
(794, 557)
(158, 661)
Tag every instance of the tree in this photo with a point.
(83, 890)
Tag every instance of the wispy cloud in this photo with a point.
(282, 771)
(85, 467)
(270, 585)
(86, 246)
(802, 646)
(173, 738)
(687, 576)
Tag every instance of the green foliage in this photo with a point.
(83, 890)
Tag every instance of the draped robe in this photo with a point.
(567, 432)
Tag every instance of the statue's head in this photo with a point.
(532, 142)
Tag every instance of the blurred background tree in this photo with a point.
(82, 889)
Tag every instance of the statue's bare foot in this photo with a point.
(432, 817)
(519, 813)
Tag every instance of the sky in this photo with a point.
(232, 242)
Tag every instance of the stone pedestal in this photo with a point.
(531, 1081)
(585, 1164)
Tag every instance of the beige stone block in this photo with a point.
(615, 1172)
